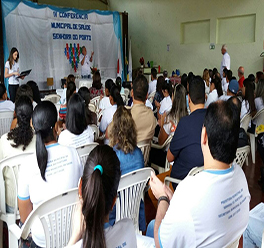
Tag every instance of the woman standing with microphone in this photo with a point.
(12, 72)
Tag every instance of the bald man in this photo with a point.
(225, 61)
(240, 73)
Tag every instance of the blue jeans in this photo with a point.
(252, 237)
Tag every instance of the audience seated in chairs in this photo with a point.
(77, 132)
(187, 137)
(116, 101)
(215, 91)
(168, 124)
(5, 104)
(91, 117)
(71, 89)
(51, 171)
(143, 116)
(18, 140)
(183, 219)
(123, 139)
(105, 101)
(98, 191)
(96, 89)
(36, 94)
(153, 82)
(63, 98)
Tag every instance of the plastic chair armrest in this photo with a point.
(169, 180)
(16, 231)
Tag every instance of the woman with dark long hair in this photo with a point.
(91, 117)
(77, 132)
(116, 100)
(248, 104)
(215, 91)
(18, 140)
(98, 191)
(54, 169)
(96, 89)
(12, 72)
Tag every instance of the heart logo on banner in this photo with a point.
(72, 53)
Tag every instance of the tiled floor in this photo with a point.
(252, 172)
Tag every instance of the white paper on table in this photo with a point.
(145, 242)
(257, 212)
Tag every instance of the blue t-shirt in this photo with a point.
(186, 144)
(130, 162)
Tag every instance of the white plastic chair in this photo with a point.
(95, 131)
(234, 244)
(192, 172)
(11, 163)
(167, 163)
(124, 97)
(52, 98)
(126, 92)
(244, 122)
(241, 155)
(6, 119)
(258, 119)
(56, 217)
(85, 150)
(144, 146)
(99, 116)
(92, 107)
(130, 193)
(151, 96)
(96, 101)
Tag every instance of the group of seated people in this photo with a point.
(204, 123)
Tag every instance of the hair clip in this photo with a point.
(99, 167)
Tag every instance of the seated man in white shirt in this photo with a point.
(153, 83)
(210, 209)
(5, 105)
(231, 90)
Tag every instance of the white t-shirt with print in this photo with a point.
(258, 103)
(212, 97)
(152, 86)
(67, 138)
(15, 68)
(122, 234)
(107, 118)
(86, 70)
(165, 105)
(104, 103)
(7, 106)
(63, 171)
(210, 209)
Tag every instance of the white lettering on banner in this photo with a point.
(232, 204)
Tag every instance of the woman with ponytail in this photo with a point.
(18, 140)
(116, 100)
(98, 192)
(54, 169)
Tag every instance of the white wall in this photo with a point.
(154, 23)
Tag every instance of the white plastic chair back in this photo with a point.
(52, 98)
(126, 92)
(241, 155)
(99, 117)
(144, 146)
(194, 171)
(234, 244)
(95, 101)
(12, 164)
(244, 122)
(56, 216)
(262, 243)
(58, 109)
(95, 131)
(59, 92)
(130, 193)
(167, 163)
(6, 119)
(151, 96)
(123, 95)
(92, 107)
(85, 150)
